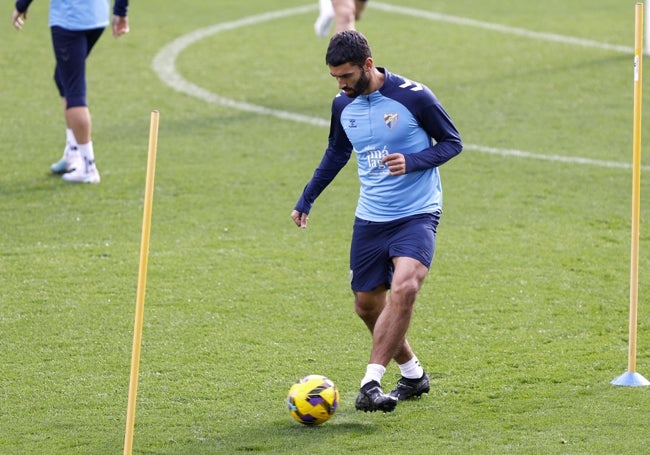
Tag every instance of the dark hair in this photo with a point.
(348, 46)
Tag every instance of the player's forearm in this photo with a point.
(22, 5)
(434, 156)
(120, 8)
(327, 170)
(438, 125)
(319, 181)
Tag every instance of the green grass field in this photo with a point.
(522, 323)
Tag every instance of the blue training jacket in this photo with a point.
(79, 14)
(401, 117)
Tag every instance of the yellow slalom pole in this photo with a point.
(636, 186)
(631, 377)
(142, 282)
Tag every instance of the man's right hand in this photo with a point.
(18, 19)
(300, 218)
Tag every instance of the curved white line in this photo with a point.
(164, 65)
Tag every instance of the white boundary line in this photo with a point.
(500, 28)
(164, 65)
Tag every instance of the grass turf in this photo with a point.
(522, 322)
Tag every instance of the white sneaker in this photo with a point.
(84, 172)
(325, 18)
(67, 161)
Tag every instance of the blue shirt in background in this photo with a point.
(79, 14)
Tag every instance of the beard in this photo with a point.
(360, 86)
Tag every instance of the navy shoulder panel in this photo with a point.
(414, 95)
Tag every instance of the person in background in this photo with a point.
(75, 26)
(401, 135)
(344, 13)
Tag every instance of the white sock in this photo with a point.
(70, 151)
(374, 372)
(412, 369)
(70, 140)
(326, 8)
(325, 17)
(88, 155)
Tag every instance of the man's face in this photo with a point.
(352, 79)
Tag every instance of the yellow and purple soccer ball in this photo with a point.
(313, 399)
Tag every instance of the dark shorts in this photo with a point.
(374, 245)
(71, 48)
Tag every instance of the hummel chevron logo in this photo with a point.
(417, 87)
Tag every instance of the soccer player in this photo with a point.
(400, 134)
(344, 13)
(75, 26)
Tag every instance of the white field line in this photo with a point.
(164, 65)
(439, 17)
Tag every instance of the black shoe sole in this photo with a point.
(389, 408)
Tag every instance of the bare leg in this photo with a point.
(344, 15)
(359, 7)
(68, 161)
(78, 120)
(369, 306)
(388, 316)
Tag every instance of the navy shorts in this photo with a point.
(374, 244)
(71, 48)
